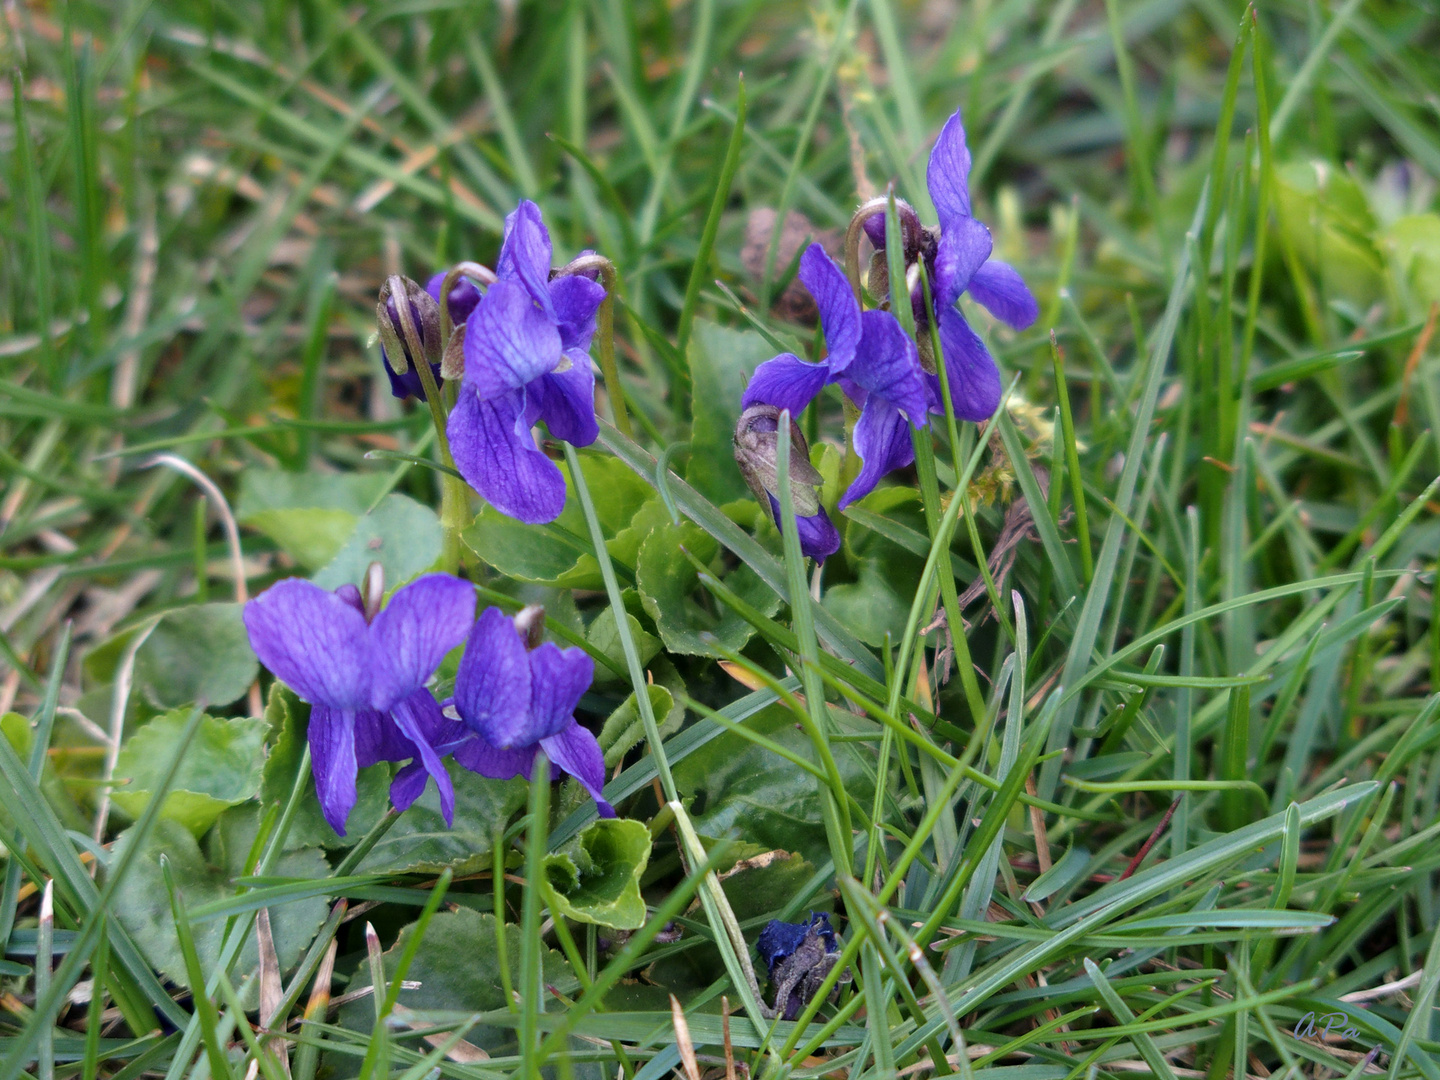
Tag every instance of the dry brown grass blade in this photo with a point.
(683, 1042)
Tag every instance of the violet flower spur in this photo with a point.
(957, 260)
(873, 360)
(513, 701)
(364, 675)
(527, 359)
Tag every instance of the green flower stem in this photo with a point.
(925, 468)
(930, 501)
(836, 804)
(531, 957)
(605, 319)
(453, 491)
(452, 278)
(622, 626)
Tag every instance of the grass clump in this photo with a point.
(1107, 738)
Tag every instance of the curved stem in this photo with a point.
(461, 269)
(452, 490)
(606, 319)
(909, 220)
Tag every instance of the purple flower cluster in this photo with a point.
(875, 362)
(365, 675)
(527, 359)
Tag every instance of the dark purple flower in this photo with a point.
(957, 260)
(797, 957)
(513, 701)
(527, 359)
(463, 298)
(365, 681)
(870, 356)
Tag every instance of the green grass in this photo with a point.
(1216, 642)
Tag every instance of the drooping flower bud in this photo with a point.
(757, 440)
(452, 364)
(408, 319)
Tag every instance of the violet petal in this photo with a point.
(786, 382)
(409, 785)
(332, 762)
(839, 310)
(377, 739)
(492, 687)
(964, 246)
(525, 254)
(423, 621)
(1000, 289)
(497, 455)
(463, 296)
(314, 642)
(411, 717)
(948, 174)
(974, 379)
(558, 677)
(888, 364)
(479, 756)
(565, 400)
(576, 300)
(882, 439)
(508, 342)
(576, 751)
(819, 538)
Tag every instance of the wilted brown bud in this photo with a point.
(757, 439)
(452, 364)
(409, 331)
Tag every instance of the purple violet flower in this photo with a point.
(364, 680)
(957, 260)
(463, 298)
(873, 360)
(527, 358)
(512, 701)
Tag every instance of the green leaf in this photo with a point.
(558, 554)
(309, 515)
(721, 362)
(205, 876)
(222, 768)
(421, 842)
(669, 589)
(1324, 215)
(197, 653)
(764, 884)
(288, 718)
(869, 607)
(743, 791)
(624, 730)
(401, 534)
(603, 634)
(1413, 244)
(458, 969)
(596, 877)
